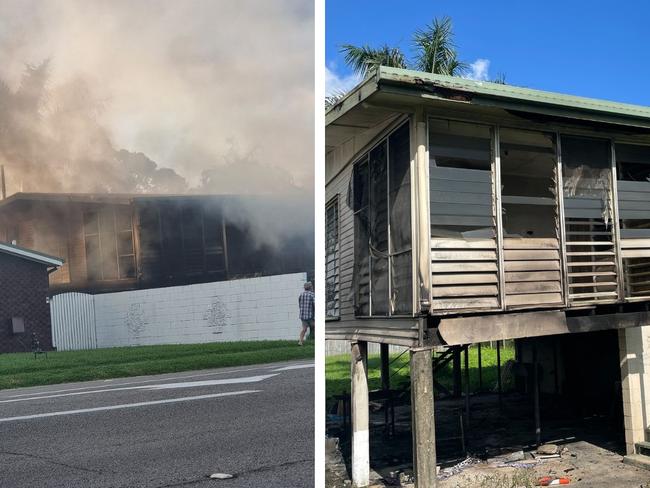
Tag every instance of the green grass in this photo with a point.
(22, 369)
(337, 370)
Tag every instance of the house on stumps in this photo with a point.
(461, 212)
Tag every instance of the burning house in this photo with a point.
(463, 212)
(114, 242)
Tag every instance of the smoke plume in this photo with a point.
(158, 96)
(161, 96)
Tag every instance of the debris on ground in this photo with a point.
(221, 476)
(507, 458)
(545, 456)
(552, 481)
(458, 468)
(548, 449)
(526, 464)
(406, 477)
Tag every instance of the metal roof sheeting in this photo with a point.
(30, 255)
(500, 95)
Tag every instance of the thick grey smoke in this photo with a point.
(187, 95)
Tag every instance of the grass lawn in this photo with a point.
(22, 369)
(337, 370)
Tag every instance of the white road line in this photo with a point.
(114, 382)
(296, 366)
(126, 405)
(187, 384)
(192, 384)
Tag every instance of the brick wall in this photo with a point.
(23, 293)
(263, 308)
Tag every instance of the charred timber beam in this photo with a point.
(472, 329)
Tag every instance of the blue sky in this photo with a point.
(589, 48)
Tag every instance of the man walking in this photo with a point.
(306, 305)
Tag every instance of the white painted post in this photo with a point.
(359, 414)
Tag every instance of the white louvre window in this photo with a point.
(331, 258)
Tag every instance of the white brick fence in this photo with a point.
(263, 308)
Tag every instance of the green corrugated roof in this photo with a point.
(510, 96)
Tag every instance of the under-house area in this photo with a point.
(488, 268)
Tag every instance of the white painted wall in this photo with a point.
(263, 308)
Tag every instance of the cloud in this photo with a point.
(181, 81)
(479, 70)
(336, 84)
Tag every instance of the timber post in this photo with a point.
(359, 414)
(422, 418)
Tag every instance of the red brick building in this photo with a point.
(23, 298)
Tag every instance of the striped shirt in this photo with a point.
(306, 305)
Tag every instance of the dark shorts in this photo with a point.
(308, 323)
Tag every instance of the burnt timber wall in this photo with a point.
(57, 228)
(515, 293)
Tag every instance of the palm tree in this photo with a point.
(435, 52)
(434, 48)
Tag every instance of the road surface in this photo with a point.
(254, 422)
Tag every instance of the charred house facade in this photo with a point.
(461, 213)
(121, 242)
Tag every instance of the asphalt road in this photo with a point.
(254, 422)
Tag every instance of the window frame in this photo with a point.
(365, 159)
(116, 236)
(333, 203)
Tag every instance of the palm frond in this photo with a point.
(334, 98)
(363, 58)
(456, 67)
(500, 78)
(435, 49)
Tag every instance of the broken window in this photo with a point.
(108, 237)
(213, 238)
(331, 258)
(590, 251)
(360, 197)
(530, 218)
(192, 232)
(378, 243)
(381, 201)
(193, 239)
(399, 204)
(633, 169)
(460, 171)
(463, 225)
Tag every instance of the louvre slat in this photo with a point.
(534, 299)
(456, 267)
(518, 288)
(465, 291)
(533, 243)
(464, 279)
(465, 303)
(441, 243)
